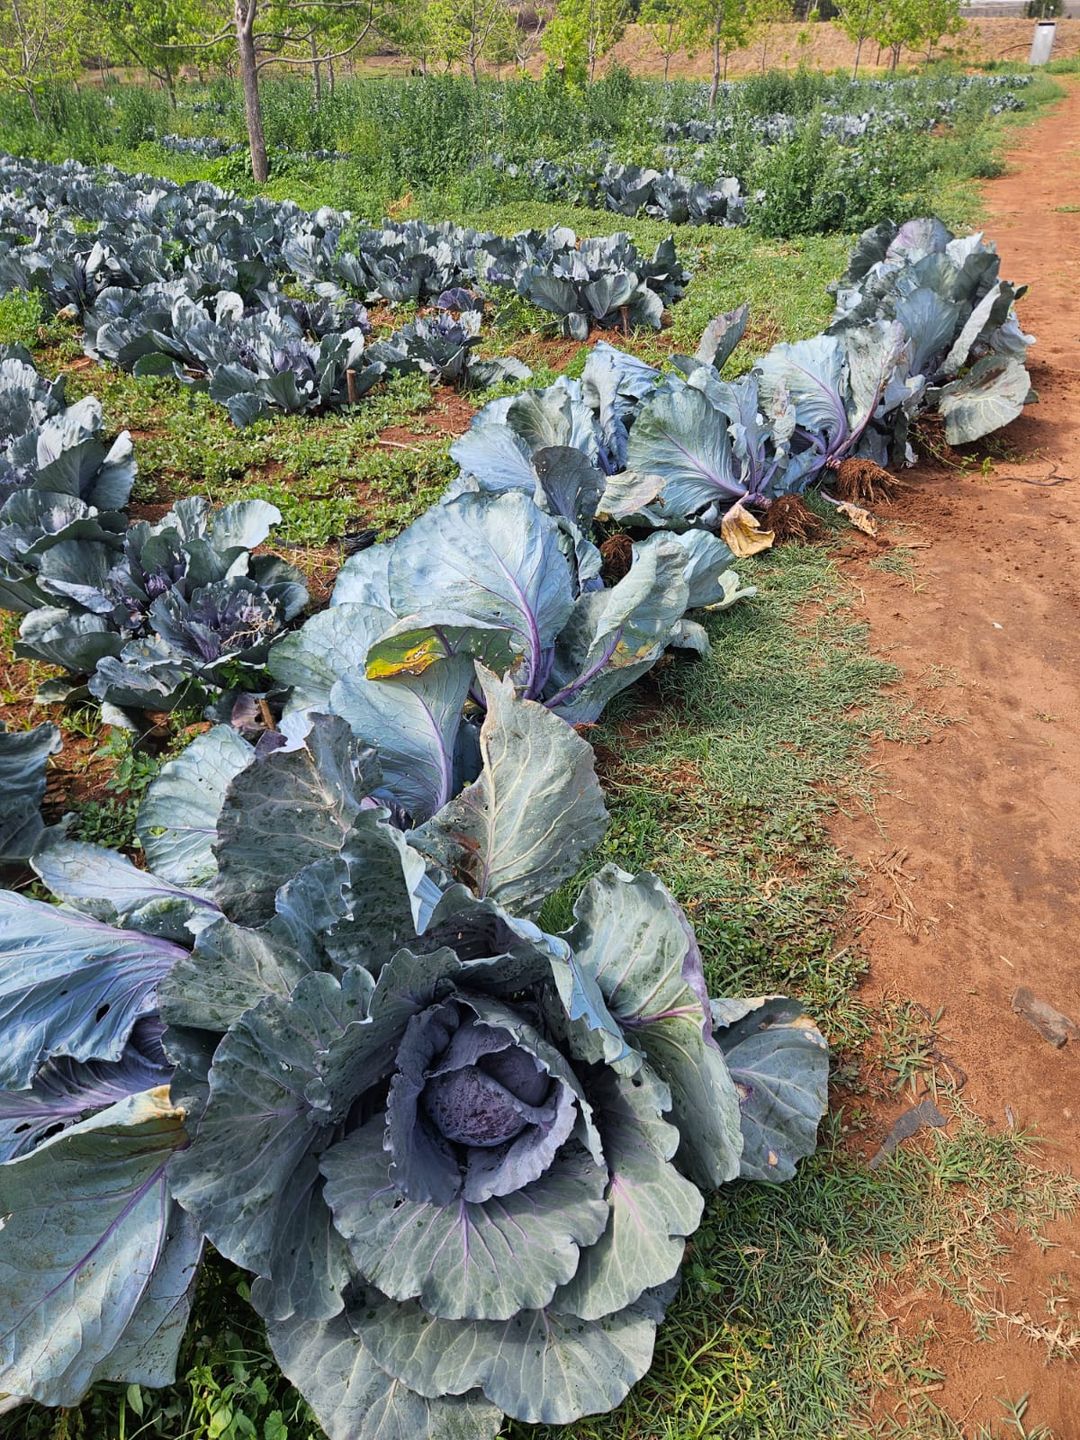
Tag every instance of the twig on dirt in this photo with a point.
(891, 868)
(1061, 1342)
(1048, 482)
(955, 1075)
(1051, 1024)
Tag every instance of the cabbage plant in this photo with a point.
(636, 190)
(510, 576)
(24, 755)
(60, 483)
(163, 612)
(186, 279)
(923, 321)
(458, 1155)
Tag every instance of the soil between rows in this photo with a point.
(973, 853)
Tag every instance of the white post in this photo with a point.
(1042, 42)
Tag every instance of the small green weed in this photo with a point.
(21, 316)
(110, 821)
(898, 561)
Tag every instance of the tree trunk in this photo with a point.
(858, 52)
(895, 59)
(714, 88)
(316, 70)
(330, 74)
(244, 12)
(667, 67)
(34, 110)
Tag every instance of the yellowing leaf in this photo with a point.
(860, 518)
(742, 533)
(411, 660)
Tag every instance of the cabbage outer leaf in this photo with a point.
(521, 829)
(177, 822)
(653, 1207)
(494, 559)
(353, 1399)
(992, 393)
(636, 942)
(780, 1064)
(23, 756)
(70, 985)
(538, 1366)
(96, 1264)
(289, 809)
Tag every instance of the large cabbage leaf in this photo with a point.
(520, 830)
(636, 943)
(70, 985)
(23, 757)
(96, 1264)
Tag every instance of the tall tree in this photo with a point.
(469, 32)
(298, 33)
(407, 25)
(581, 33)
(897, 26)
(724, 26)
(860, 21)
(763, 15)
(665, 20)
(39, 42)
(151, 33)
(940, 18)
(530, 22)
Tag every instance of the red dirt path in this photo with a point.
(988, 812)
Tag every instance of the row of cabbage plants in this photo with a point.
(885, 105)
(150, 615)
(325, 1028)
(635, 190)
(923, 321)
(154, 615)
(683, 192)
(188, 280)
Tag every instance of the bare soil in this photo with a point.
(824, 46)
(972, 856)
(786, 45)
(450, 414)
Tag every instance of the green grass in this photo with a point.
(21, 317)
(321, 472)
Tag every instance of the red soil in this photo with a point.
(987, 813)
